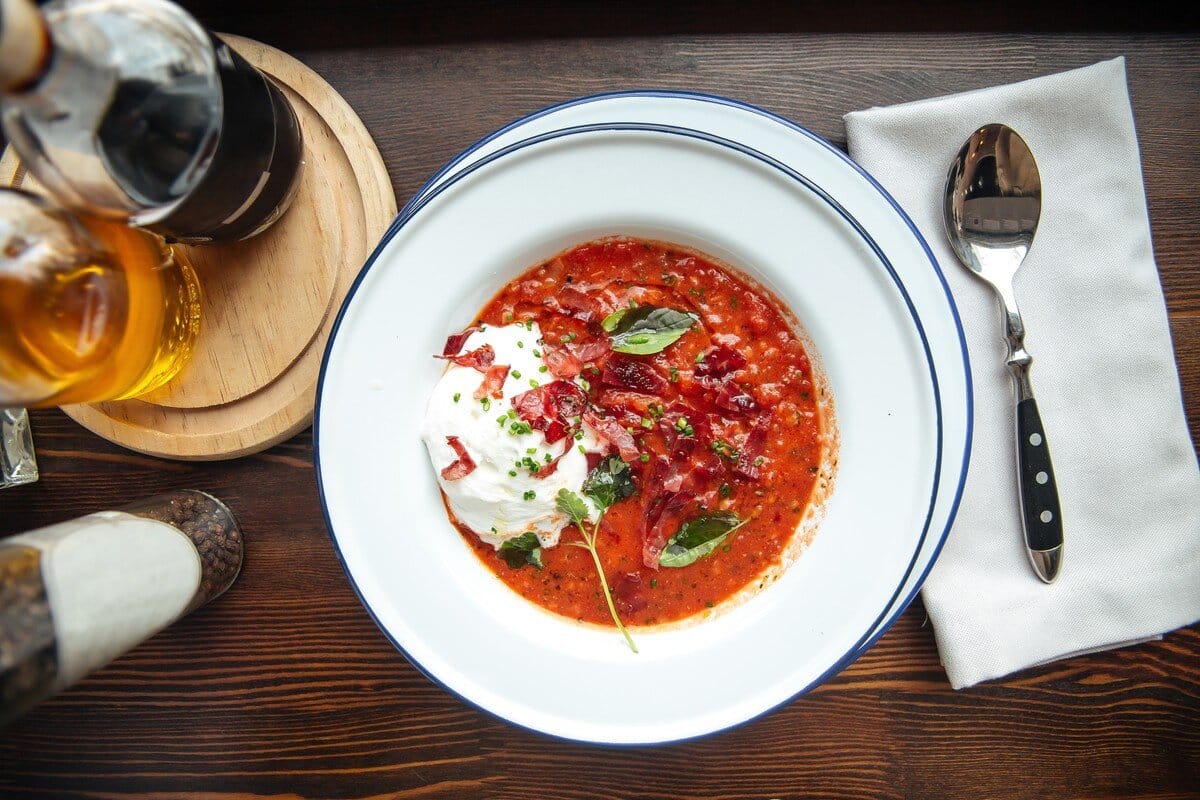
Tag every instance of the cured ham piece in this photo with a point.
(633, 374)
(455, 341)
(593, 351)
(614, 433)
(751, 451)
(461, 467)
(480, 358)
(720, 362)
(552, 408)
(493, 382)
(561, 363)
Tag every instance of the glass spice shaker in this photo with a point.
(76, 595)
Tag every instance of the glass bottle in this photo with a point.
(129, 109)
(76, 595)
(18, 463)
(90, 309)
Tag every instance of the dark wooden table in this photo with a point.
(284, 687)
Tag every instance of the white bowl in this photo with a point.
(450, 251)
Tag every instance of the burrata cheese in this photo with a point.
(501, 498)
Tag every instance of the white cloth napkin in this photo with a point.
(1103, 373)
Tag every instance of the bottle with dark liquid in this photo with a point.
(130, 109)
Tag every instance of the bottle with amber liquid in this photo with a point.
(90, 309)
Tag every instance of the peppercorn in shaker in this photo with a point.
(76, 595)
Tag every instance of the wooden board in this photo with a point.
(269, 302)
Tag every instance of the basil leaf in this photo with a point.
(572, 505)
(646, 330)
(524, 549)
(697, 538)
(609, 482)
(612, 320)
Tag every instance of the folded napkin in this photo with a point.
(1103, 373)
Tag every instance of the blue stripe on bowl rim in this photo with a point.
(428, 193)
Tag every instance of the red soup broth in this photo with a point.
(755, 437)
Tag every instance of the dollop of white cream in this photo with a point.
(493, 502)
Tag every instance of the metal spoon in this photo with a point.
(992, 205)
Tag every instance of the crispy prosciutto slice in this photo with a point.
(734, 398)
(561, 362)
(455, 342)
(751, 451)
(480, 358)
(461, 467)
(552, 408)
(579, 304)
(493, 382)
(552, 467)
(633, 374)
(614, 433)
(720, 362)
(593, 351)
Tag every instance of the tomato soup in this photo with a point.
(725, 430)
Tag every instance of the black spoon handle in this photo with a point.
(1040, 512)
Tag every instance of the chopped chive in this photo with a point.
(534, 383)
(516, 373)
(653, 583)
(508, 316)
(543, 368)
(585, 384)
(486, 402)
(674, 375)
(583, 449)
(520, 343)
(758, 462)
(529, 495)
(531, 450)
(457, 396)
(700, 357)
(725, 490)
(548, 459)
(646, 423)
(578, 435)
(645, 457)
(512, 473)
(537, 354)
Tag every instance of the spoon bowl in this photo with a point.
(993, 202)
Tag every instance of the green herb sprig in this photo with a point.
(608, 483)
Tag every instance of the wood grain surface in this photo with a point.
(285, 689)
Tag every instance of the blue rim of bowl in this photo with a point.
(415, 205)
(739, 105)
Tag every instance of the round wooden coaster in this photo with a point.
(269, 302)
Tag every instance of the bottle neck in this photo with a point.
(24, 46)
